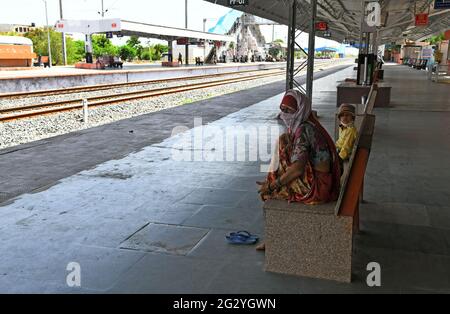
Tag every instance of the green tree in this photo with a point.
(127, 53)
(158, 50)
(39, 37)
(278, 41)
(75, 50)
(436, 39)
(146, 54)
(135, 43)
(103, 46)
(274, 51)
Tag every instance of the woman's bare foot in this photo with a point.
(261, 247)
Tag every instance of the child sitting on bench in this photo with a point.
(347, 131)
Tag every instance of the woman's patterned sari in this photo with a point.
(313, 187)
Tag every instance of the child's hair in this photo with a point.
(346, 108)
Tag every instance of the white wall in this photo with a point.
(194, 52)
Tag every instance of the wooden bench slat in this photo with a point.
(350, 196)
(364, 138)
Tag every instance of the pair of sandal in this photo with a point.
(242, 237)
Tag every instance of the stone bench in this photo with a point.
(317, 241)
(350, 92)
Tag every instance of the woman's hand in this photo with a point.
(264, 188)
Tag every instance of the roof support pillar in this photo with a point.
(291, 45)
(311, 50)
(291, 70)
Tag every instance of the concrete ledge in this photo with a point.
(88, 66)
(170, 64)
(32, 82)
(308, 241)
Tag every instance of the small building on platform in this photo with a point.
(16, 51)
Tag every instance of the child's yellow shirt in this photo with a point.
(347, 138)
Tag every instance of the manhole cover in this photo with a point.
(162, 238)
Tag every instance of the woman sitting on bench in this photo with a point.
(307, 169)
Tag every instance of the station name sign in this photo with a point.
(89, 26)
(442, 4)
(235, 3)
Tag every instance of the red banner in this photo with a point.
(447, 35)
(422, 19)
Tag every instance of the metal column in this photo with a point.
(290, 77)
(292, 71)
(311, 50)
(186, 24)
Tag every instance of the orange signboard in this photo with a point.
(16, 52)
(422, 19)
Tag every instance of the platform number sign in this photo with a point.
(234, 3)
(109, 35)
(442, 4)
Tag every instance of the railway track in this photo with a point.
(33, 110)
(28, 111)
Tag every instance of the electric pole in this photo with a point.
(48, 36)
(64, 51)
(102, 13)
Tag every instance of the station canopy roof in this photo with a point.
(130, 28)
(344, 17)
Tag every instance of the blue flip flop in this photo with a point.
(242, 237)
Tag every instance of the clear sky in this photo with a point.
(159, 12)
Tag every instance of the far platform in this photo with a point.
(60, 77)
(69, 76)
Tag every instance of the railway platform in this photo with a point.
(64, 77)
(115, 200)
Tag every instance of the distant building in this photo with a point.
(17, 28)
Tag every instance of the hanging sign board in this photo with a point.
(322, 26)
(442, 4)
(88, 26)
(182, 41)
(427, 52)
(422, 19)
(235, 3)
